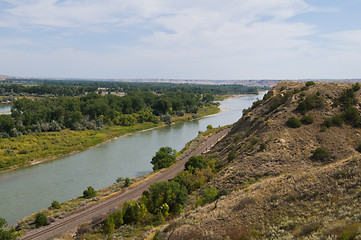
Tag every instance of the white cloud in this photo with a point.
(214, 39)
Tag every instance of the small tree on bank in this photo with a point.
(164, 158)
(89, 192)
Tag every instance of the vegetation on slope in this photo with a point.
(284, 182)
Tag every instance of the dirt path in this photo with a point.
(88, 213)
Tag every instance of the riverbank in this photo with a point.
(36, 148)
(77, 205)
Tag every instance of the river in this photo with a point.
(28, 190)
(5, 108)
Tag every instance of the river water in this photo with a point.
(5, 108)
(28, 190)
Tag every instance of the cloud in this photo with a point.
(81, 13)
(212, 39)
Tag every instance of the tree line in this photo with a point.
(93, 110)
(78, 87)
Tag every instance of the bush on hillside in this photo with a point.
(352, 114)
(359, 148)
(310, 83)
(262, 146)
(327, 122)
(293, 122)
(307, 119)
(231, 155)
(311, 102)
(320, 154)
(279, 100)
(337, 120)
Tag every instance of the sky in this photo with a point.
(181, 39)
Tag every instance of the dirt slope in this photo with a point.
(280, 189)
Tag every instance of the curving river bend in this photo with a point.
(28, 190)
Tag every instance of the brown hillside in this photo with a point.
(279, 188)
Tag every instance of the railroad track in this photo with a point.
(88, 213)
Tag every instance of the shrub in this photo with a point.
(337, 120)
(296, 90)
(310, 83)
(209, 127)
(254, 141)
(293, 122)
(350, 232)
(352, 114)
(320, 154)
(55, 205)
(311, 102)
(167, 118)
(358, 148)
(89, 192)
(41, 220)
(279, 100)
(347, 98)
(327, 122)
(231, 155)
(262, 146)
(245, 202)
(210, 195)
(307, 119)
(356, 87)
(109, 225)
(309, 228)
(126, 182)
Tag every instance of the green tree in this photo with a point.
(55, 205)
(133, 212)
(164, 158)
(89, 192)
(8, 233)
(160, 193)
(126, 182)
(6, 123)
(196, 162)
(109, 225)
(41, 220)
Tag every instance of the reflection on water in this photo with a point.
(28, 190)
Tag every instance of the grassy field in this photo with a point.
(29, 149)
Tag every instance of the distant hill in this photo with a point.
(295, 171)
